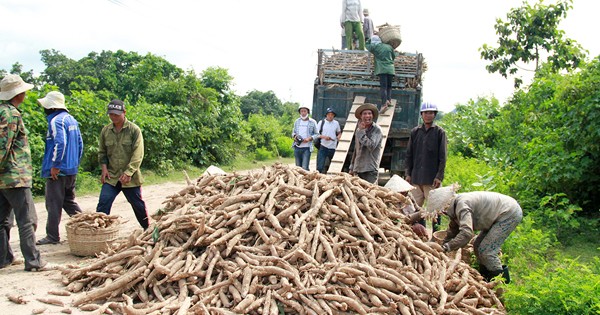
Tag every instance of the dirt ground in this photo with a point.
(33, 285)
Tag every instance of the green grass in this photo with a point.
(583, 247)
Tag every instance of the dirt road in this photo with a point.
(33, 285)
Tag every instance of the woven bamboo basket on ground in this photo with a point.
(390, 34)
(90, 242)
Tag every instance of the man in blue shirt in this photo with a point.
(64, 148)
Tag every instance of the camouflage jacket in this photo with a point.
(15, 155)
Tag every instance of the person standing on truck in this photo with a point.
(367, 144)
(351, 19)
(329, 133)
(368, 29)
(426, 156)
(384, 68)
(305, 131)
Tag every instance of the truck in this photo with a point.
(343, 75)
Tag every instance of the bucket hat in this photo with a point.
(301, 107)
(364, 107)
(330, 110)
(12, 85)
(53, 100)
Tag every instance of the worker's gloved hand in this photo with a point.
(420, 230)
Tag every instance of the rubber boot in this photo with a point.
(485, 273)
(505, 274)
(492, 274)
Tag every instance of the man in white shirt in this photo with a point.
(329, 133)
(305, 131)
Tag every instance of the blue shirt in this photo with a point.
(64, 145)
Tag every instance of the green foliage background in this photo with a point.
(186, 118)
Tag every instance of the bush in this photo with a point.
(543, 283)
(284, 146)
(563, 287)
(473, 175)
(263, 154)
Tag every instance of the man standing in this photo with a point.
(367, 144)
(64, 148)
(368, 29)
(305, 131)
(426, 156)
(351, 20)
(329, 133)
(16, 176)
(120, 153)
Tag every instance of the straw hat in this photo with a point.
(53, 100)
(13, 85)
(398, 184)
(364, 107)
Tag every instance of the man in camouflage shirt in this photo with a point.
(120, 153)
(16, 176)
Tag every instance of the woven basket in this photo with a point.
(91, 242)
(390, 35)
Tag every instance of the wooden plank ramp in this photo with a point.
(341, 152)
(337, 162)
(385, 122)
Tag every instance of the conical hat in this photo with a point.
(398, 184)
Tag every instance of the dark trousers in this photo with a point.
(133, 196)
(370, 177)
(60, 194)
(385, 87)
(20, 201)
(322, 156)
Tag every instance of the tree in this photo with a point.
(527, 34)
(257, 102)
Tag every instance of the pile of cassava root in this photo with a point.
(280, 241)
(92, 221)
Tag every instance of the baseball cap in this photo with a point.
(115, 107)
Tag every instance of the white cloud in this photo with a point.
(270, 44)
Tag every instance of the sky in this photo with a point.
(271, 45)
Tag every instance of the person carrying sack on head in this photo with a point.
(329, 135)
